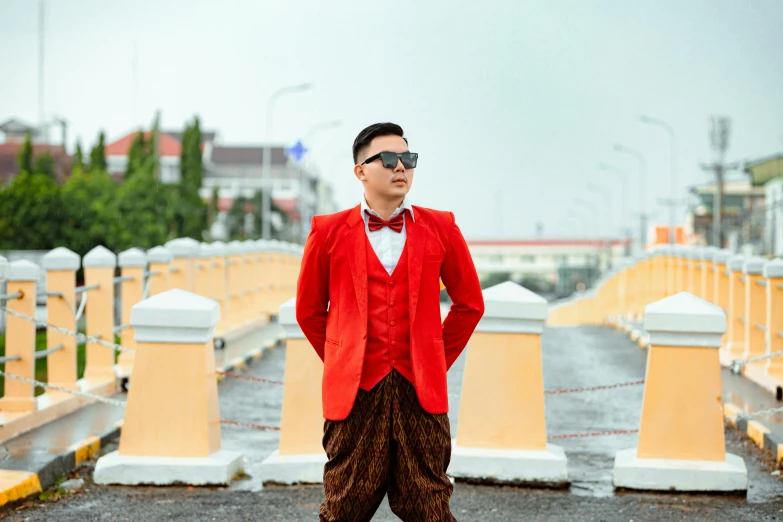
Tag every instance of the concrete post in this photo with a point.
(184, 250)
(736, 316)
(501, 434)
(755, 308)
(681, 442)
(160, 259)
(235, 252)
(171, 431)
(707, 274)
(19, 396)
(133, 262)
(773, 271)
(219, 281)
(99, 265)
(202, 282)
(300, 457)
(61, 265)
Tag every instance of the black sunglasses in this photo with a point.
(389, 159)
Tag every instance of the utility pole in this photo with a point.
(44, 129)
(719, 140)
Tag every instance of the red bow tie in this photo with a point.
(394, 223)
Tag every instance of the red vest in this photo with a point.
(388, 321)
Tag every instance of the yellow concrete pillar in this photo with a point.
(755, 308)
(20, 337)
(721, 285)
(681, 442)
(61, 265)
(202, 280)
(277, 274)
(133, 263)
(159, 278)
(300, 457)
(736, 316)
(235, 252)
(708, 274)
(182, 273)
(682, 269)
(219, 281)
(501, 434)
(264, 278)
(671, 270)
(253, 256)
(249, 313)
(171, 431)
(697, 255)
(773, 271)
(100, 264)
(689, 255)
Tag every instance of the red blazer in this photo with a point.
(331, 303)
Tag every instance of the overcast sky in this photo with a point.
(510, 104)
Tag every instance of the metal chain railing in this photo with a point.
(79, 336)
(47, 386)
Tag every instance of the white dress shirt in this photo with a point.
(387, 243)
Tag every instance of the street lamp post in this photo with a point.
(624, 203)
(642, 190)
(304, 209)
(673, 168)
(266, 166)
(608, 204)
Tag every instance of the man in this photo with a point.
(368, 300)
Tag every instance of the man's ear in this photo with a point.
(358, 171)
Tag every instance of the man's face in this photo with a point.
(380, 181)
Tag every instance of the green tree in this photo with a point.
(214, 208)
(31, 213)
(25, 155)
(235, 219)
(44, 164)
(137, 155)
(78, 156)
(89, 201)
(98, 154)
(191, 163)
(140, 209)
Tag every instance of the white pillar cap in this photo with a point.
(773, 268)
(61, 258)
(263, 245)
(218, 249)
(287, 319)
(684, 320)
(5, 268)
(735, 263)
(183, 247)
(23, 270)
(175, 316)
(205, 251)
(235, 248)
(100, 257)
(696, 252)
(721, 256)
(511, 308)
(753, 265)
(708, 253)
(133, 257)
(159, 254)
(250, 246)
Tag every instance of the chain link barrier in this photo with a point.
(79, 336)
(591, 434)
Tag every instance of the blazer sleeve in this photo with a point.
(312, 290)
(461, 281)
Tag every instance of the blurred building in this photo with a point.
(13, 133)
(563, 262)
(741, 200)
(237, 171)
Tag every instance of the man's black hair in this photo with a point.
(375, 130)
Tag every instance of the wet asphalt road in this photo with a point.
(572, 358)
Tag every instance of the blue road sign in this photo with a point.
(296, 151)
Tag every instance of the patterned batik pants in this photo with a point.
(388, 444)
